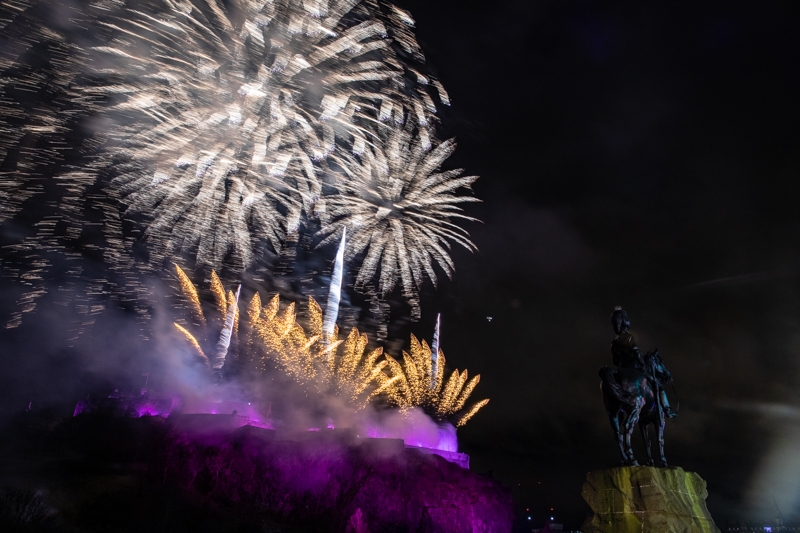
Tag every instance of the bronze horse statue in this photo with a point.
(631, 396)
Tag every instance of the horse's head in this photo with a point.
(656, 366)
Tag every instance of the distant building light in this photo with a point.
(768, 529)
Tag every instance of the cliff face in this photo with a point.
(643, 498)
(326, 480)
(205, 474)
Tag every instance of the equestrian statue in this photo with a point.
(634, 392)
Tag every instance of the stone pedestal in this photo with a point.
(646, 499)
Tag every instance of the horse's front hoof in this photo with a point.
(651, 463)
(664, 463)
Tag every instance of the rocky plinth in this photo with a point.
(643, 499)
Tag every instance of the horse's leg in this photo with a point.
(614, 419)
(614, 412)
(662, 423)
(644, 426)
(630, 424)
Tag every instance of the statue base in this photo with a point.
(643, 499)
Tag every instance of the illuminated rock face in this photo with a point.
(644, 499)
(324, 479)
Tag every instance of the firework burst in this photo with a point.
(214, 129)
(326, 364)
(223, 113)
(415, 385)
(399, 210)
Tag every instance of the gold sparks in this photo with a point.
(345, 367)
(193, 341)
(190, 293)
(219, 294)
(414, 386)
(232, 303)
(469, 414)
(254, 309)
(312, 362)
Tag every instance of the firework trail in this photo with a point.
(435, 352)
(335, 292)
(400, 210)
(227, 331)
(191, 338)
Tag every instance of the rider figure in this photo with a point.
(627, 355)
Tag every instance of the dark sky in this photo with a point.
(639, 155)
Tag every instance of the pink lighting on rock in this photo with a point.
(416, 429)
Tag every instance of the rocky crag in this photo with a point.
(112, 474)
(645, 499)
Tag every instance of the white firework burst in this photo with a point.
(223, 114)
(208, 123)
(399, 210)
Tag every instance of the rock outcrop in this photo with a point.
(646, 499)
(325, 479)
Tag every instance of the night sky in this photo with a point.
(643, 156)
(639, 155)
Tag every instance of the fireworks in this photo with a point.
(218, 116)
(219, 129)
(273, 337)
(229, 315)
(416, 385)
(214, 130)
(315, 361)
(351, 373)
(191, 338)
(329, 365)
(335, 292)
(399, 210)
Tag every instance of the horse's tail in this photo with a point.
(610, 384)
